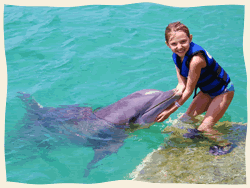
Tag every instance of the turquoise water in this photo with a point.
(97, 55)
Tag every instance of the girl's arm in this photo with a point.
(196, 64)
(182, 81)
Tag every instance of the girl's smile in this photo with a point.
(179, 43)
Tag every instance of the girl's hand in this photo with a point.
(179, 89)
(163, 116)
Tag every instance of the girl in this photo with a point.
(195, 67)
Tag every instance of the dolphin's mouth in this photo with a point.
(166, 100)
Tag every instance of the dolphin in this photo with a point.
(103, 129)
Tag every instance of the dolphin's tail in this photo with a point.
(29, 101)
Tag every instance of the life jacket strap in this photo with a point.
(224, 78)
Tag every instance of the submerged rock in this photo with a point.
(183, 160)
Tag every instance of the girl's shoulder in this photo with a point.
(198, 60)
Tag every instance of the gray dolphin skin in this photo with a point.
(141, 107)
(104, 130)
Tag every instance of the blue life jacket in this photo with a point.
(213, 78)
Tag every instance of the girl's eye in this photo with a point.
(173, 44)
(183, 42)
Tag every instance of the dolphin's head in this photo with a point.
(141, 107)
(163, 101)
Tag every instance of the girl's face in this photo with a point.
(179, 43)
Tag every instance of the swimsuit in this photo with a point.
(230, 87)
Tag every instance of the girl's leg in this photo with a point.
(199, 105)
(215, 111)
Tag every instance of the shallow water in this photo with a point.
(97, 55)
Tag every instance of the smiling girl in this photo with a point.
(196, 68)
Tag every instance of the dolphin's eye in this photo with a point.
(133, 119)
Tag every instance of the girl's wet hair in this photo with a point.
(175, 26)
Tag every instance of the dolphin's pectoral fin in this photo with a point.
(101, 153)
